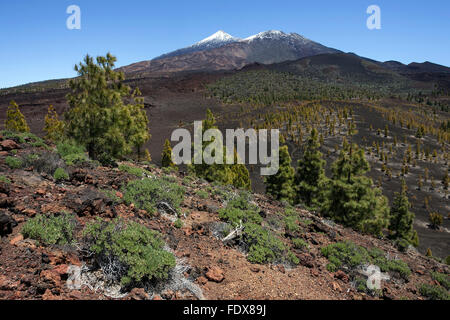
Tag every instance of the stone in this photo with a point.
(29, 212)
(215, 274)
(138, 294)
(341, 275)
(52, 277)
(48, 295)
(336, 286)
(255, 269)
(14, 241)
(167, 294)
(306, 260)
(202, 280)
(9, 145)
(7, 223)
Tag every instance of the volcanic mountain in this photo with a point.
(222, 51)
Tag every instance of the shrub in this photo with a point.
(442, 278)
(240, 210)
(47, 162)
(51, 229)
(435, 220)
(24, 137)
(14, 162)
(136, 252)
(71, 152)
(202, 194)
(291, 220)
(149, 192)
(178, 224)
(60, 174)
(347, 254)
(299, 243)
(263, 246)
(4, 179)
(434, 292)
(135, 171)
(111, 195)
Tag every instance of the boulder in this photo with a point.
(9, 145)
(7, 223)
(215, 274)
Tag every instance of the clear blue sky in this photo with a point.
(36, 45)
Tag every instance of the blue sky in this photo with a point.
(36, 45)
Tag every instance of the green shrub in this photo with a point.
(434, 292)
(14, 162)
(71, 152)
(25, 137)
(442, 278)
(299, 243)
(111, 195)
(447, 260)
(291, 223)
(60, 174)
(51, 229)
(264, 246)
(135, 171)
(240, 210)
(138, 250)
(178, 224)
(350, 255)
(4, 179)
(149, 192)
(202, 194)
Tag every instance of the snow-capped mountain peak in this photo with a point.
(218, 37)
(267, 34)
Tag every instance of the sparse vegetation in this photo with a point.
(148, 193)
(14, 162)
(130, 251)
(60, 174)
(51, 230)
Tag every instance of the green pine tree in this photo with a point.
(15, 120)
(98, 118)
(310, 177)
(54, 128)
(281, 184)
(166, 156)
(232, 174)
(351, 198)
(401, 219)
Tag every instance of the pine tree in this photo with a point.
(445, 180)
(232, 174)
(310, 177)
(147, 155)
(15, 120)
(281, 184)
(98, 117)
(166, 156)
(351, 198)
(401, 219)
(54, 128)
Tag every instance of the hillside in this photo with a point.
(192, 223)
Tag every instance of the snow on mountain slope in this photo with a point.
(220, 37)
